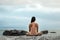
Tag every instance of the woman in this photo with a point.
(33, 27)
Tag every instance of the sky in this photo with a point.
(16, 14)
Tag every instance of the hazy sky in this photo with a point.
(17, 13)
(47, 3)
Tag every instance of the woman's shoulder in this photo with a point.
(36, 23)
(33, 23)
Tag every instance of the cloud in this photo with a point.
(37, 7)
(28, 7)
(30, 10)
(17, 15)
(45, 3)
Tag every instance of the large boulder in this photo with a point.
(14, 32)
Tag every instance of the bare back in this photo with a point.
(33, 28)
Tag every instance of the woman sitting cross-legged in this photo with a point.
(33, 28)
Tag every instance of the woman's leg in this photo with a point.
(37, 34)
(40, 33)
(29, 33)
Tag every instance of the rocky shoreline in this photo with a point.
(49, 36)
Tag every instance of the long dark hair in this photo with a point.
(33, 19)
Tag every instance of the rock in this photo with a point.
(23, 32)
(52, 32)
(45, 31)
(14, 32)
(6, 32)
